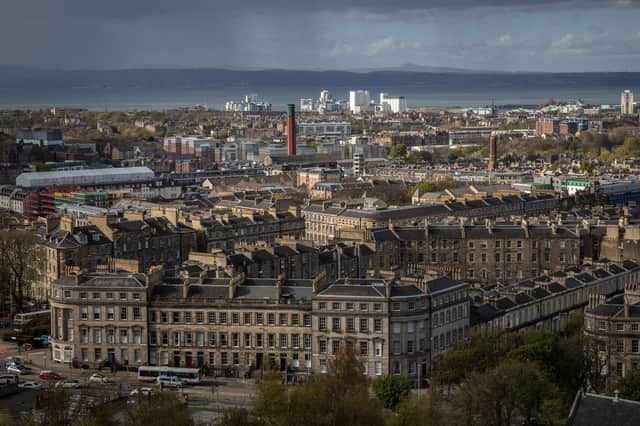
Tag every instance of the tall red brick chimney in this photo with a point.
(291, 129)
(493, 152)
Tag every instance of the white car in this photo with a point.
(170, 381)
(18, 370)
(68, 384)
(133, 396)
(98, 378)
(141, 391)
(30, 385)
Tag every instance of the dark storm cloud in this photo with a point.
(133, 33)
(140, 9)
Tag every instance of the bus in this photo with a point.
(149, 374)
(29, 317)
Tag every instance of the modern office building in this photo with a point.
(342, 128)
(392, 104)
(359, 101)
(40, 137)
(626, 102)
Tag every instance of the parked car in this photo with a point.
(145, 391)
(30, 385)
(134, 394)
(98, 378)
(8, 379)
(68, 384)
(49, 375)
(18, 370)
(170, 381)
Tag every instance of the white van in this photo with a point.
(170, 381)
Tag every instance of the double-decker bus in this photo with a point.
(149, 374)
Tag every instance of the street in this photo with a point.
(205, 401)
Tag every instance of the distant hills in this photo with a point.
(409, 67)
(36, 86)
(405, 76)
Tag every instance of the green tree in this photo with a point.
(398, 151)
(391, 390)
(160, 409)
(513, 392)
(419, 410)
(435, 186)
(237, 417)
(43, 167)
(631, 146)
(481, 352)
(456, 153)
(338, 397)
(17, 258)
(629, 386)
(419, 156)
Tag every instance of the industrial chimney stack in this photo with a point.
(493, 152)
(291, 129)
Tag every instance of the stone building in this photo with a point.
(487, 253)
(240, 324)
(325, 222)
(63, 249)
(387, 323)
(613, 327)
(546, 302)
(450, 313)
(294, 259)
(149, 240)
(98, 318)
(230, 323)
(221, 230)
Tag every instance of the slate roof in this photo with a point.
(483, 313)
(98, 280)
(405, 291)
(600, 410)
(353, 290)
(442, 284)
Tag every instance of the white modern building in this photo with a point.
(358, 164)
(359, 101)
(307, 105)
(626, 102)
(251, 103)
(87, 177)
(392, 104)
(40, 137)
(324, 128)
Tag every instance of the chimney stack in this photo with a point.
(291, 129)
(493, 152)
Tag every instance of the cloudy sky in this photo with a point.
(536, 35)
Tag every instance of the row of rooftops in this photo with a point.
(275, 251)
(615, 307)
(493, 303)
(447, 208)
(196, 283)
(471, 231)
